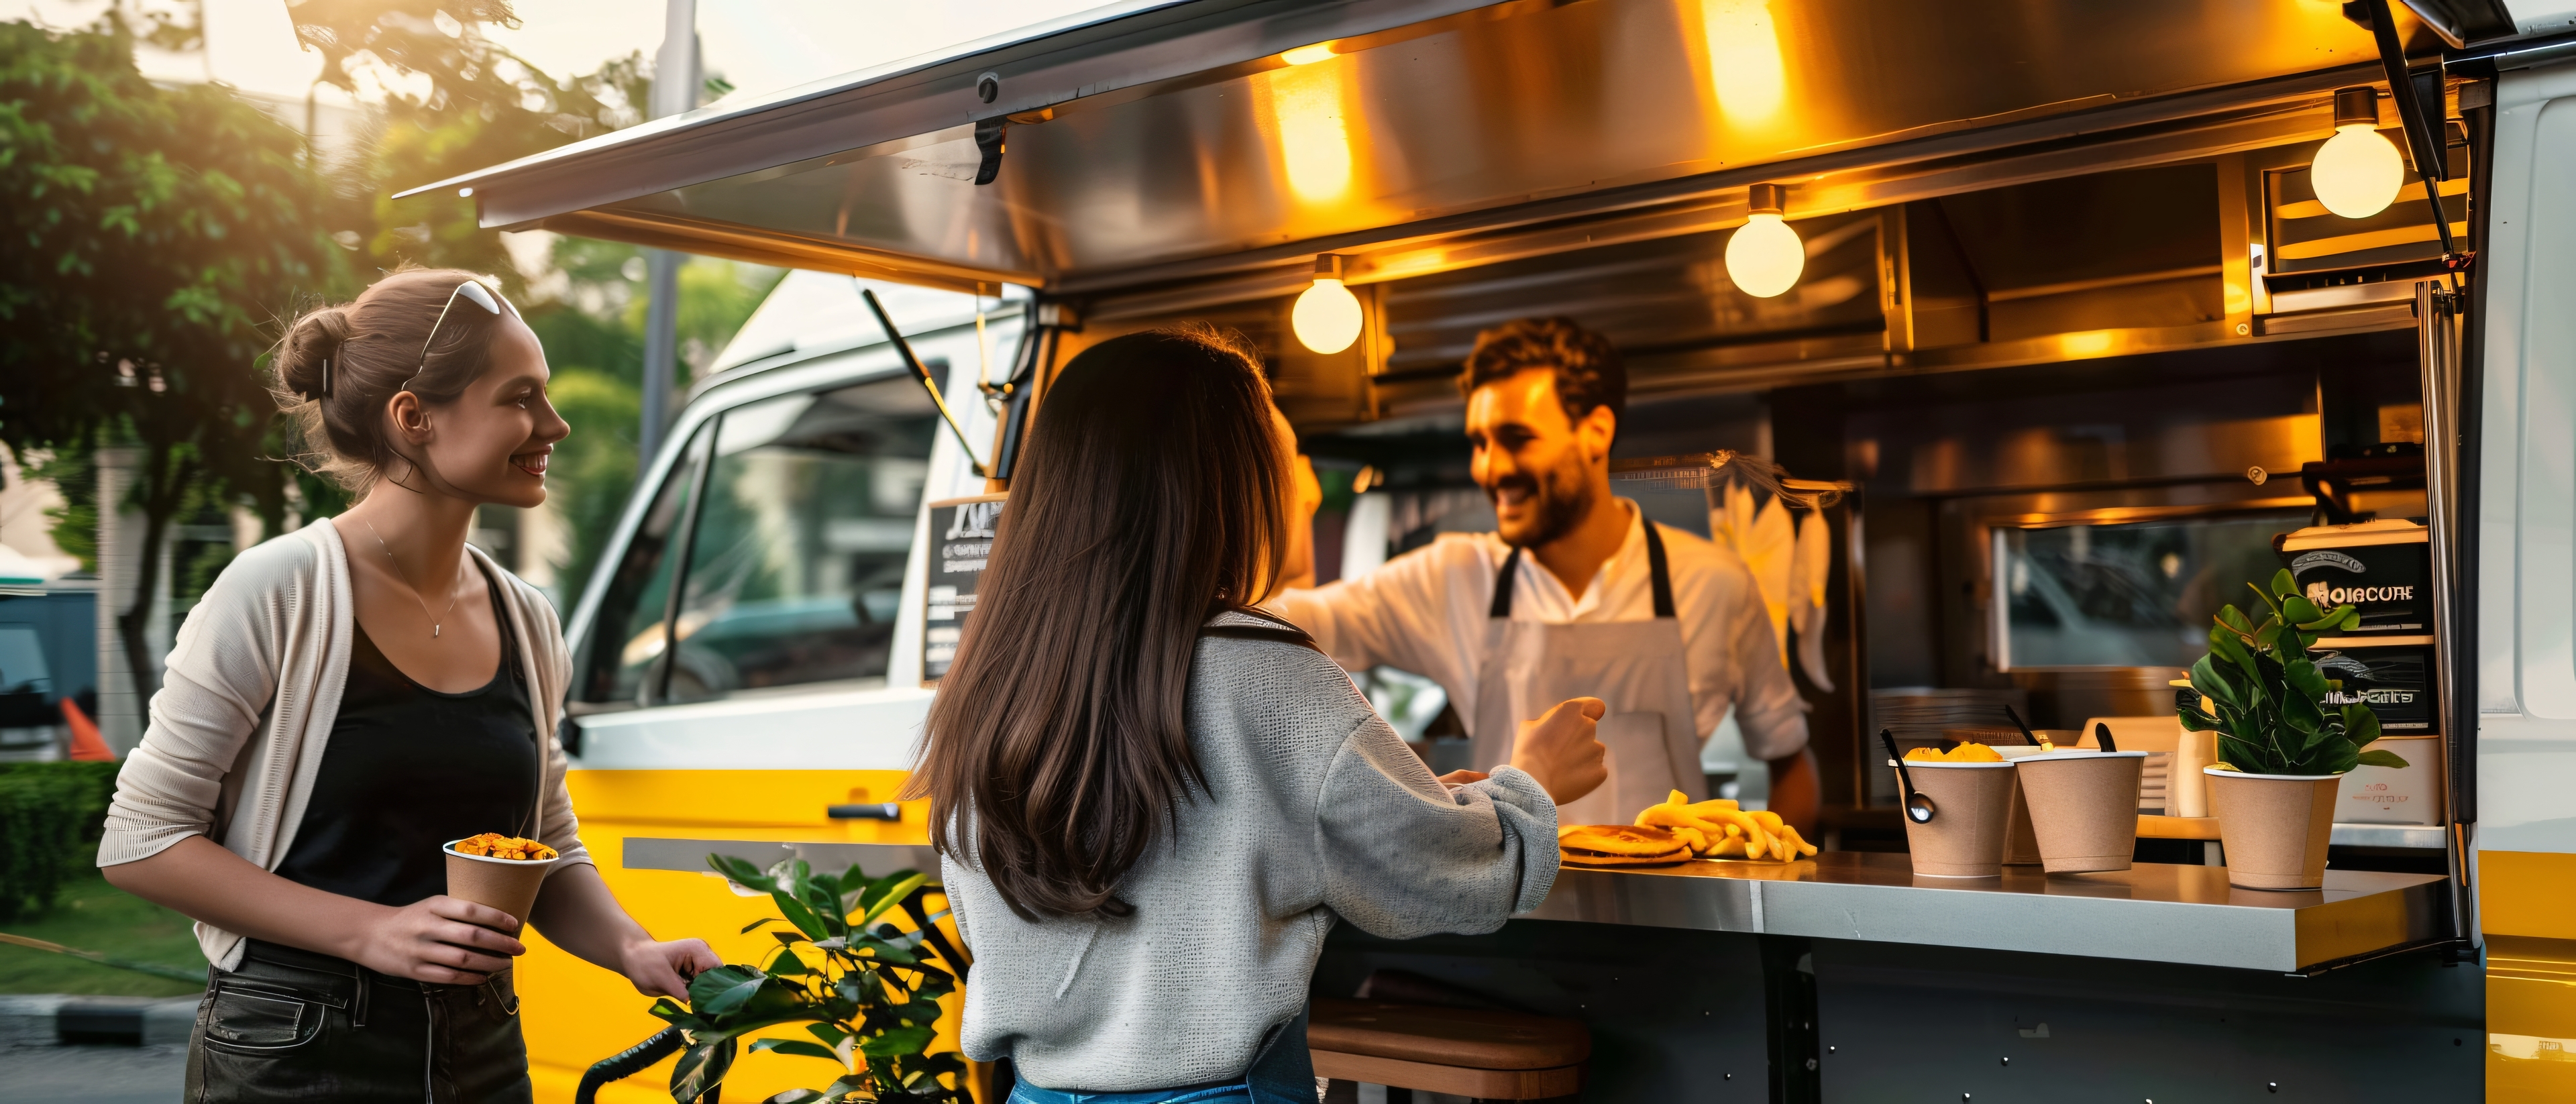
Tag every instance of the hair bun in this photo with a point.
(311, 344)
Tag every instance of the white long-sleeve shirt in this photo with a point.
(1426, 612)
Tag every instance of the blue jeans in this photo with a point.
(1282, 1073)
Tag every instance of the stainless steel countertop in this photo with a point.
(2152, 912)
(2149, 913)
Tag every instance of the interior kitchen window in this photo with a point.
(2136, 594)
(796, 558)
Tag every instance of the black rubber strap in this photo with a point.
(1663, 575)
(1502, 606)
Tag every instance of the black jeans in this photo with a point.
(295, 1025)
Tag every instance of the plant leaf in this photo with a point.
(2332, 757)
(710, 990)
(765, 920)
(703, 1064)
(798, 1047)
(2360, 724)
(741, 873)
(900, 1040)
(2284, 584)
(888, 893)
(2379, 757)
(799, 915)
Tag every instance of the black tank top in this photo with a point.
(409, 768)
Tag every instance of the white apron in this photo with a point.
(1635, 667)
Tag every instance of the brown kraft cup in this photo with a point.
(2274, 827)
(2083, 808)
(1966, 836)
(509, 885)
(2021, 842)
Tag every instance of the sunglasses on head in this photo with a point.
(472, 291)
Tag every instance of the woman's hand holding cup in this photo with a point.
(1559, 750)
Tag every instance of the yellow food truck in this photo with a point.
(2085, 313)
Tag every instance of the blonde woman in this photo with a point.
(348, 697)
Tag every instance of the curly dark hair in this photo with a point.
(1589, 373)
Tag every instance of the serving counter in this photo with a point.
(1848, 977)
(2149, 913)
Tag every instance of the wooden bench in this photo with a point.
(1460, 1051)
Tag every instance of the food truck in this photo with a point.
(2073, 319)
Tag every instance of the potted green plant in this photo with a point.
(2283, 745)
(865, 991)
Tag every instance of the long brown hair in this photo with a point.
(1152, 495)
(339, 364)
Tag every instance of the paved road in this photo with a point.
(92, 1074)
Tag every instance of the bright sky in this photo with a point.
(760, 45)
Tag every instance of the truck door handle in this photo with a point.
(887, 811)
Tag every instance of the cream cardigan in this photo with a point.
(249, 697)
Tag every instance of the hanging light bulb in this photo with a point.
(2357, 173)
(1327, 315)
(1765, 257)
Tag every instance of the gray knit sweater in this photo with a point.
(1317, 811)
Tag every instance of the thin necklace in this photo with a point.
(435, 623)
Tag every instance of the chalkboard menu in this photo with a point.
(961, 540)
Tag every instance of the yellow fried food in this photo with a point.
(1624, 845)
(1964, 753)
(1621, 839)
(497, 846)
(1718, 829)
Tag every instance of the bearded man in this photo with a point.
(1575, 594)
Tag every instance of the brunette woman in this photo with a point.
(347, 698)
(1161, 798)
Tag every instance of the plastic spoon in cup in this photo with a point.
(2026, 733)
(2102, 736)
(1918, 805)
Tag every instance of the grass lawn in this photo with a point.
(92, 915)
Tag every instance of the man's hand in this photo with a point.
(1558, 749)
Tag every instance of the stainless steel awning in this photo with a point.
(1172, 142)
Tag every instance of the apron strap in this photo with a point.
(1663, 575)
(1502, 607)
(1658, 570)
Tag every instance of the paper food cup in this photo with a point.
(1966, 836)
(2083, 808)
(2021, 842)
(2274, 827)
(509, 885)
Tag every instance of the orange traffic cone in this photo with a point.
(87, 747)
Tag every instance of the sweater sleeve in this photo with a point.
(216, 685)
(561, 826)
(1405, 856)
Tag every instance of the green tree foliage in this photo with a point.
(468, 104)
(154, 235)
